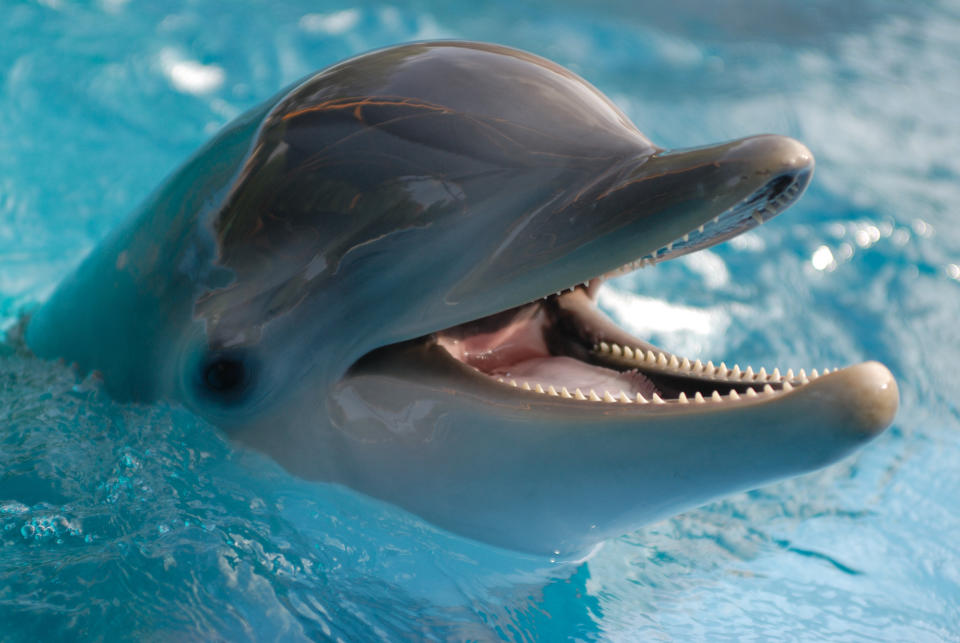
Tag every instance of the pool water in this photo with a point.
(127, 522)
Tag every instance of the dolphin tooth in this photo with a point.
(608, 398)
(657, 399)
(623, 397)
(604, 347)
(775, 376)
(715, 396)
(814, 374)
(787, 387)
(578, 394)
(802, 375)
(500, 379)
(552, 391)
(685, 364)
(615, 350)
(710, 369)
(789, 374)
(641, 399)
(716, 219)
(651, 357)
(682, 398)
(698, 398)
(762, 375)
(627, 352)
(757, 216)
(513, 383)
(565, 393)
(661, 359)
(825, 371)
(722, 369)
(736, 371)
(748, 374)
(767, 388)
(750, 392)
(674, 362)
(669, 246)
(593, 396)
(698, 366)
(686, 238)
(539, 388)
(733, 394)
(700, 229)
(526, 386)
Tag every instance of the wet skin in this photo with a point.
(358, 278)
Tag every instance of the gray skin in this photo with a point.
(289, 284)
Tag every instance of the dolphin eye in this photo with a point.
(226, 374)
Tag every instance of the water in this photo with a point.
(129, 522)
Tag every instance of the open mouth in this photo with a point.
(563, 346)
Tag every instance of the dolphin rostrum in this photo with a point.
(384, 277)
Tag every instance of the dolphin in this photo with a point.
(385, 277)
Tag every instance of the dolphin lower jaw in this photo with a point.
(553, 476)
(554, 469)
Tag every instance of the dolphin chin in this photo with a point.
(385, 277)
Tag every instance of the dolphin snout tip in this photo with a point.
(778, 154)
(871, 398)
(794, 155)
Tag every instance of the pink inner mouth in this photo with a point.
(516, 349)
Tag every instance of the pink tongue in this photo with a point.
(518, 351)
(574, 374)
(519, 340)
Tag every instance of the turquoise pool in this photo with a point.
(127, 522)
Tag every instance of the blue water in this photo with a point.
(131, 522)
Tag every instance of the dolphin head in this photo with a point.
(385, 277)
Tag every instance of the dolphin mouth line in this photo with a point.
(570, 349)
(563, 346)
